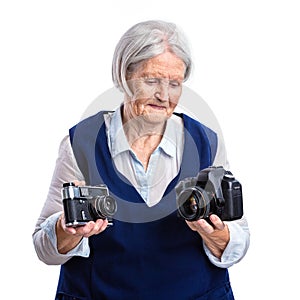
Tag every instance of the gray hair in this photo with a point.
(143, 41)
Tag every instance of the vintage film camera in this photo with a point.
(213, 191)
(87, 203)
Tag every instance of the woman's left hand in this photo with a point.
(215, 236)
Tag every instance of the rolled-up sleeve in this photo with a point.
(237, 247)
(44, 236)
(239, 241)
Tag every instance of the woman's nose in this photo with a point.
(162, 92)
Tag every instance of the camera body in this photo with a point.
(86, 203)
(213, 191)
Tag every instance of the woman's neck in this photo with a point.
(143, 136)
(142, 128)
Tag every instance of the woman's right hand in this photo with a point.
(69, 237)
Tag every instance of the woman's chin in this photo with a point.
(155, 117)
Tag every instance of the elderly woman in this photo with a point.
(140, 152)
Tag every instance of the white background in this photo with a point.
(56, 59)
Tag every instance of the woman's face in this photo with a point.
(156, 86)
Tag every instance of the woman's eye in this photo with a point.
(174, 83)
(152, 80)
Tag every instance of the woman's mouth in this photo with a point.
(157, 107)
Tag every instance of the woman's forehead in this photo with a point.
(165, 65)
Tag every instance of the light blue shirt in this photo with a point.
(163, 167)
(164, 163)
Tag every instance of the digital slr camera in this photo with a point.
(87, 203)
(213, 191)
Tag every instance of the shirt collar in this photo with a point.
(120, 144)
(171, 137)
(118, 139)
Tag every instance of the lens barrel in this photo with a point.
(102, 207)
(193, 204)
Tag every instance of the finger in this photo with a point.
(191, 225)
(104, 225)
(62, 221)
(95, 227)
(87, 230)
(100, 225)
(205, 226)
(70, 230)
(79, 183)
(217, 222)
(201, 226)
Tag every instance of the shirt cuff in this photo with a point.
(48, 226)
(235, 249)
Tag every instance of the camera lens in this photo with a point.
(109, 206)
(193, 204)
(102, 207)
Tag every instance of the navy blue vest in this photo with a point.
(149, 253)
